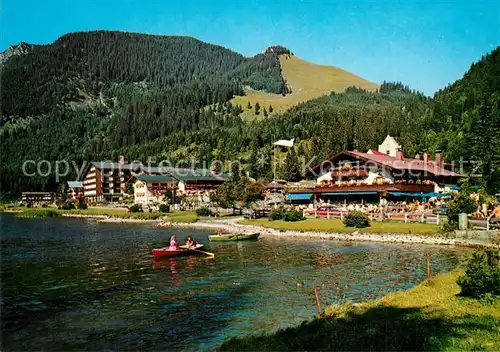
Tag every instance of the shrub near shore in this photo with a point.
(356, 219)
(286, 215)
(482, 275)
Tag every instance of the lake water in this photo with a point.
(75, 284)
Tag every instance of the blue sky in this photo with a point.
(425, 44)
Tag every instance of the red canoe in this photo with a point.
(164, 252)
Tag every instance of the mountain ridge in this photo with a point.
(80, 61)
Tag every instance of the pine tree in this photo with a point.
(253, 164)
(291, 168)
(257, 108)
(484, 137)
(264, 112)
(249, 106)
(270, 108)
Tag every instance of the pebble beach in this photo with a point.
(232, 226)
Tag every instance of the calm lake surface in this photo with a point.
(76, 284)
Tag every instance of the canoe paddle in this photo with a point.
(212, 255)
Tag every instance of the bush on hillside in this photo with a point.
(164, 208)
(356, 219)
(204, 211)
(482, 275)
(136, 208)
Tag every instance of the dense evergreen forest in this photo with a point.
(80, 64)
(98, 95)
(466, 119)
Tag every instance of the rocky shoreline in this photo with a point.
(475, 239)
(111, 219)
(130, 221)
(232, 226)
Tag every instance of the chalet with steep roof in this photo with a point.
(385, 172)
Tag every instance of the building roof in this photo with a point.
(184, 174)
(172, 174)
(36, 192)
(405, 164)
(109, 165)
(390, 139)
(155, 178)
(376, 152)
(276, 185)
(384, 160)
(166, 169)
(75, 184)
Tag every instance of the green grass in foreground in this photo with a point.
(428, 317)
(336, 225)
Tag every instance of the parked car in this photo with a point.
(327, 210)
(440, 211)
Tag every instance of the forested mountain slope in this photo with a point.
(466, 119)
(98, 95)
(322, 127)
(80, 64)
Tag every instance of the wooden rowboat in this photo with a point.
(165, 253)
(234, 237)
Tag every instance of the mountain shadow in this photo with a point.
(380, 328)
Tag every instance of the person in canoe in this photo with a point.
(190, 242)
(174, 246)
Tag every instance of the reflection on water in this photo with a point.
(75, 284)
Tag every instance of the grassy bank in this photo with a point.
(176, 216)
(428, 317)
(114, 213)
(182, 216)
(336, 225)
(39, 213)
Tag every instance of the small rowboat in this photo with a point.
(164, 252)
(234, 237)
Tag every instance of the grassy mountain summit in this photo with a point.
(304, 81)
(303, 76)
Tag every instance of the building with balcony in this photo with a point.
(31, 197)
(154, 183)
(376, 174)
(105, 180)
(75, 190)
